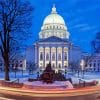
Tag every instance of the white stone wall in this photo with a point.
(58, 62)
(94, 62)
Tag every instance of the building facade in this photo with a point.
(53, 45)
(94, 62)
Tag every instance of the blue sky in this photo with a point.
(82, 18)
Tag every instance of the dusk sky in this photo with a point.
(82, 18)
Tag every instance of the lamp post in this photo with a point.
(82, 65)
(65, 72)
(15, 69)
(78, 72)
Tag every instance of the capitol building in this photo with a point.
(54, 45)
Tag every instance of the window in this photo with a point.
(59, 65)
(47, 56)
(98, 64)
(90, 65)
(59, 56)
(53, 56)
(41, 64)
(43, 35)
(0, 64)
(41, 56)
(47, 27)
(53, 65)
(94, 64)
(65, 55)
(53, 27)
(50, 27)
(21, 65)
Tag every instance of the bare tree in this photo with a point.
(15, 19)
(74, 66)
(96, 43)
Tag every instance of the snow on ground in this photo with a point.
(60, 84)
(90, 76)
(18, 75)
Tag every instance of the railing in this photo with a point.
(14, 83)
(84, 83)
(81, 81)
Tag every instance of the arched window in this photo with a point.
(53, 65)
(43, 35)
(50, 27)
(59, 56)
(90, 64)
(53, 56)
(47, 56)
(59, 65)
(47, 27)
(53, 27)
(41, 56)
(94, 64)
(65, 55)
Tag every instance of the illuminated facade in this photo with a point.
(53, 45)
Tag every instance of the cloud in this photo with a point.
(88, 28)
(79, 26)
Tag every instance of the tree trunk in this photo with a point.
(7, 72)
(7, 69)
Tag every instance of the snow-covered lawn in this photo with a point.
(18, 75)
(90, 76)
(58, 84)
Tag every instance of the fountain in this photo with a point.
(50, 80)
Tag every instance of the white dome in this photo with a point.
(54, 18)
(54, 25)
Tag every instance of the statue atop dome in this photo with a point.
(54, 9)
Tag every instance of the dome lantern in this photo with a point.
(54, 10)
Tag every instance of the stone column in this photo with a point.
(68, 58)
(62, 57)
(44, 57)
(36, 53)
(56, 57)
(50, 55)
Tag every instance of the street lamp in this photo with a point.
(65, 72)
(82, 65)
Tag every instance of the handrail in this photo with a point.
(13, 81)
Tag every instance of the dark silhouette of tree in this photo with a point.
(74, 66)
(15, 19)
(96, 43)
(32, 66)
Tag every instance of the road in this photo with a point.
(12, 95)
(4, 96)
(92, 93)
